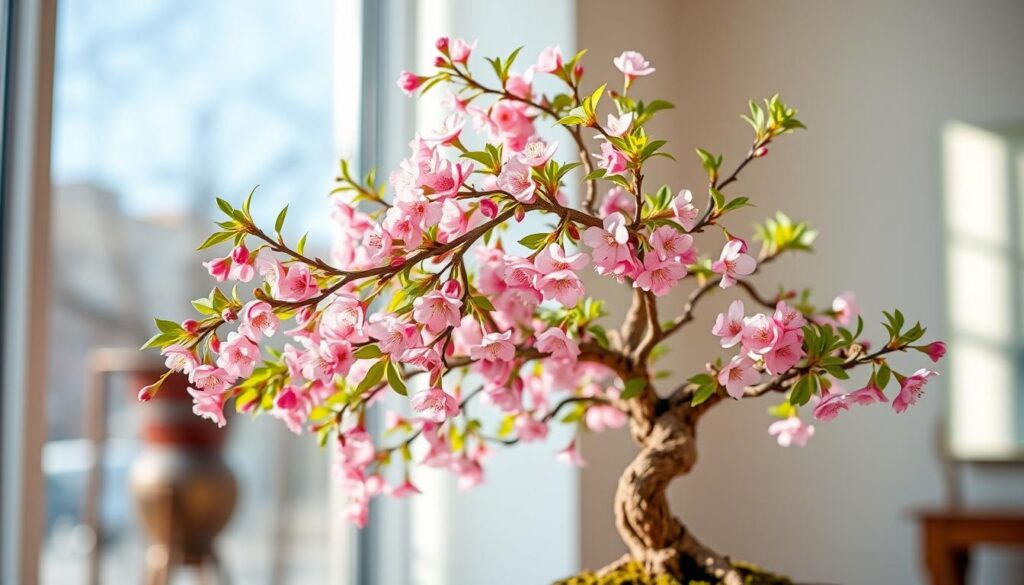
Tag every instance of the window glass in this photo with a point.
(159, 106)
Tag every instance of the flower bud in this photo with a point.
(520, 213)
(574, 232)
(760, 152)
(934, 350)
(442, 44)
(439, 61)
(190, 326)
(489, 208)
(214, 343)
(409, 82)
(219, 268)
(240, 255)
(577, 72)
(147, 393)
(229, 315)
(452, 289)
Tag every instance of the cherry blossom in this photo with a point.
(435, 405)
(554, 341)
(550, 60)
(633, 65)
(737, 375)
(619, 125)
(611, 159)
(791, 431)
(515, 179)
(733, 263)
(494, 347)
(659, 276)
(436, 311)
(911, 389)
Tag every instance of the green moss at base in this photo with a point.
(634, 574)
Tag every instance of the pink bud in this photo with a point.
(304, 315)
(743, 243)
(489, 208)
(409, 82)
(574, 232)
(215, 343)
(452, 289)
(935, 350)
(577, 72)
(219, 268)
(439, 62)
(147, 393)
(287, 399)
(240, 255)
(520, 213)
(761, 152)
(229, 315)
(442, 44)
(190, 326)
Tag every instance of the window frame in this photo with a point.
(29, 43)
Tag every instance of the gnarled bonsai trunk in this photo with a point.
(655, 537)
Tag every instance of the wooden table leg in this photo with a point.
(947, 564)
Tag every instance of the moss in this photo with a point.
(634, 574)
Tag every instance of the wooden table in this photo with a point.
(949, 534)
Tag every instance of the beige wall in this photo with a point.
(874, 81)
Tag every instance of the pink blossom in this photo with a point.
(394, 335)
(537, 153)
(733, 263)
(238, 355)
(632, 64)
(419, 210)
(554, 341)
(378, 244)
(669, 244)
(437, 311)
(424, 358)
(610, 244)
(402, 226)
(550, 60)
(618, 200)
(788, 318)
(488, 208)
(448, 132)
(846, 308)
(258, 319)
(911, 388)
(571, 456)
(494, 347)
(515, 180)
(459, 50)
(867, 395)
(831, 405)
(553, 258)
(517, 304)
(179, 358)
(684, 210)
(617, 126)
(507, 397)
(791, 431)
(219, 268)
(562, 286)
(737, 375)
(611, 159)
(210, 379)
(322, 361)
(785, 354)
(435, 405)
(659, 276)
(600, 417)
(934, 350)
(760, 334)
(529, 429)
(298, 284)
(519, 272)
(342, 320)
(729, 325)
(520, 85)
(405, 490)
(409, 82)
(470, 472)
(208, 406)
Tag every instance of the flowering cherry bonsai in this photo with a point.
(425, 295)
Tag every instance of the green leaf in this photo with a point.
(373, 376)
(483, 303)
(534, 241)
(395, 379)
(165, 326)
(883, 377)
(215, 239)
(279, 224)
(368, 352)
(633, 388)
(248, 202)
(595, 174)
(704, 391)
(225, 207)
(301, 246)
(803, 390)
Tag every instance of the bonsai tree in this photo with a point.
(426, 296)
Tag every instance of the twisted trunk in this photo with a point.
(654, 536)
